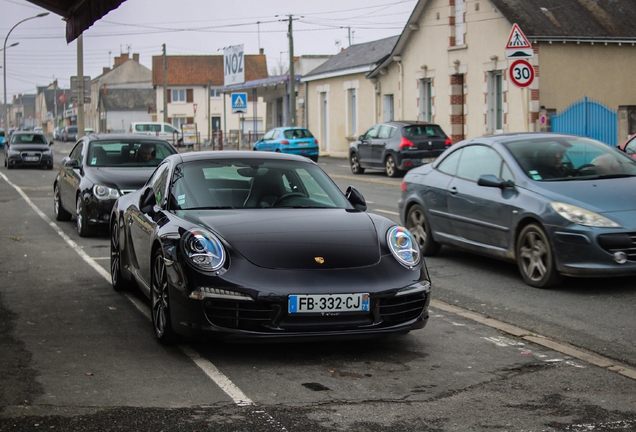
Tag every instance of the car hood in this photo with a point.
(601, 195)
(612, 198)
(29, 147)
(296, 238)
(124, 179)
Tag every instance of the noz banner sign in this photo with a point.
(234, 65)
(239, 103)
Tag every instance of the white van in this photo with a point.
(162, 130)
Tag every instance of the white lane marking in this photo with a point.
(218, 377)
(57, 229)
(208, 368)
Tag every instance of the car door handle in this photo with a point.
(453, 190)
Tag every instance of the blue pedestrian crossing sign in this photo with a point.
(239, 103)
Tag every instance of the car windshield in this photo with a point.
(72, 130)
(28, 139)
(238, 183)
(129, 153)
(569, 158)
(297, 133)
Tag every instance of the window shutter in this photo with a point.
(169, 96)
(189, 95)
(189, 120)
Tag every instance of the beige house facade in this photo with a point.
(449, 67)
(341, 101)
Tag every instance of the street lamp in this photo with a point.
(4, 65)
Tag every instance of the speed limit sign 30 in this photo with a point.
(521, 73)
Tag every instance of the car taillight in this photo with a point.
(284, 142)
(405, 143)
(448, 142)
(403, 187)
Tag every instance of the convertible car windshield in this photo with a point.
(571, 158)
(229, 183)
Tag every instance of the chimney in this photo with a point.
(136, 57)
(121, 59)
(261, 51)
(106, 69)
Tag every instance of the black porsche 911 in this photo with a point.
(249, 246)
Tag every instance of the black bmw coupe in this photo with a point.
(251, 246)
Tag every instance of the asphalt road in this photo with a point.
(78, 356)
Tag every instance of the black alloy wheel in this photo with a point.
(60, 214)
(83, 228)
(118, 281)
(535, 258)
(160, 301)
(355, 164)
(418, 225)
(391, 167)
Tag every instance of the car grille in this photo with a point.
(401, 309)
(31, 157)
(265, 316)
(613, 243)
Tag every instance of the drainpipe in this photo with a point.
(398, 60)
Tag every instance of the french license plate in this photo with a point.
(321, 303)
(31, 158)
(428, 160)
(303, 144)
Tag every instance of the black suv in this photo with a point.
(397, 146)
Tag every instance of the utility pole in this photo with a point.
(55, 102)
(165, 85)
(80, 86)
(292, 77)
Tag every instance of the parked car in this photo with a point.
(264, 246)
(28, 149)
(99, 169)
(69, 133)
(555, 204)
(396, 147)
(291, 140)
(2, 138)
(629, 146)
(160, 129)
(57, 133)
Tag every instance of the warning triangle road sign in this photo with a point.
(518, 45)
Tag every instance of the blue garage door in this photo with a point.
(588, 118)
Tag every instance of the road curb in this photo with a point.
(529, 336)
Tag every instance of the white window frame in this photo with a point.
(495, 102)
(178, 95)
(353, 111)
(426, 100)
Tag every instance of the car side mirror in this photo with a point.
(361, 138)
(51, 143)
(147, 201)
(489, 180)
(356, 199)
(71, 163)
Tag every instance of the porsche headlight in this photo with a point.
(582, 216)
(403, 246)
(102, 192)
(204, 250)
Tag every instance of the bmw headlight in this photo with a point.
(102, 192)
(403, 246)
(203, 249)
(582, 216)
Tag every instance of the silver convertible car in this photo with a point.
(557, 205)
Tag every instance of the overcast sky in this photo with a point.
(189, 27)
